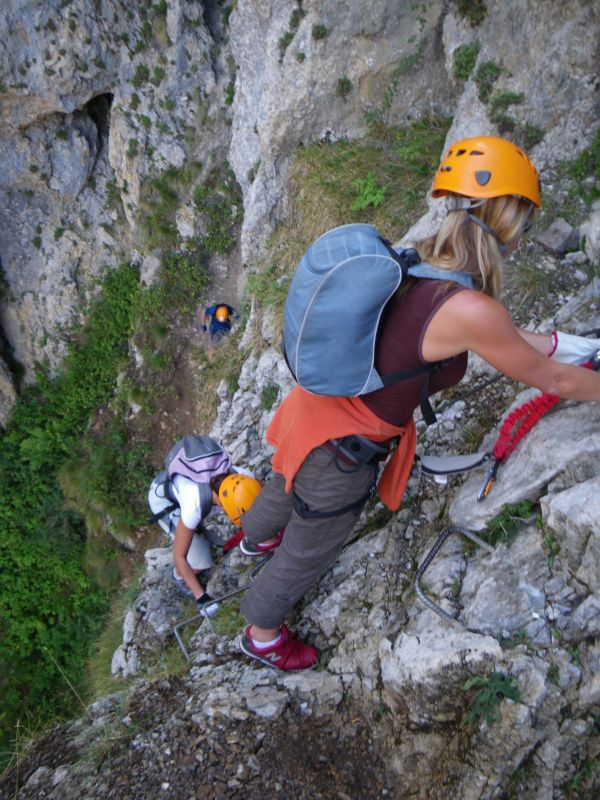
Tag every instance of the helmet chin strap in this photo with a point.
(457, 203)
(503, 247)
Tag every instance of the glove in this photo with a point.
(570, 349)
(203, 328)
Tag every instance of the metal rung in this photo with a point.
(429, 558)
(200, 616)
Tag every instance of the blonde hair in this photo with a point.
(460, 244)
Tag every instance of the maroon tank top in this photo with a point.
(398, 347)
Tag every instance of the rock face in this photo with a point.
(95, 97)
(86, 101)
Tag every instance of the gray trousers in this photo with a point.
(309, 546)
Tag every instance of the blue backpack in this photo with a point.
(334, 306)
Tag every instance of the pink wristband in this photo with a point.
(554, 338)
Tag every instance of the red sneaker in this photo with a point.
(249, 548)
(288, 653)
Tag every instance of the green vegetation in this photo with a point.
(344, 87)
(532, 135)
(492, 690)
(269, 396)
(464, 58)
(368, 193)
(473, 10)
(252, 172)
(49, 608)
(228, 621)
(518, 638)
(322, 191)
(132, 148)
(140, 76)
(552, 548)
(319, 32)
(583, 168)
(582, 782)
(328, 178)
(286, 39)
(158, 74)
(503, 528)
(498, 107)
(220, 203)
(378, 116)
(230, 92)
(486, 76)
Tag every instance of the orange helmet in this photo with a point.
(222, 313)
(237, 493)
(487, 166)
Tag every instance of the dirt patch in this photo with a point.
(336, 757)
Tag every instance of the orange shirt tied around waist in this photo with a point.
(304, 421)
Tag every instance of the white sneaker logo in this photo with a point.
(272, 656)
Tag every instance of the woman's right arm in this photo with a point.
(470, 320)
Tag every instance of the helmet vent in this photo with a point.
(460, 152)
(475, 153)
(482, 176)
(445, 169)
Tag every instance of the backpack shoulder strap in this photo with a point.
(205, 497)
(425, 270)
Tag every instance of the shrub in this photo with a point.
(319, 32)
(464, 58)
(132, 148)
(369, 193)
(486, 76)
(140, 76)
(344, 87)
(284, 41)
(492, 691)
(473, 10)
(49, 609)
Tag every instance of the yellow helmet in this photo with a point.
(222, 314)
(487, 166)
(237, 493)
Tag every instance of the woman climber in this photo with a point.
(328, 449)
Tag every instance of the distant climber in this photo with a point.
(221, 316)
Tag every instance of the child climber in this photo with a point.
(318, 485)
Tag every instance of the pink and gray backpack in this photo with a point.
(199, 458)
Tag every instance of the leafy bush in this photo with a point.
(220, 203)
(584, 167)
(486, 76)
(49, 609)
(503, 527)
(344, 87)
(464, 58)
(269, 395)
(473, 10)
(140, 76)
(493, 689)
(369, 193)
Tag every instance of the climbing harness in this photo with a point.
(251, 576)
(429, 558)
